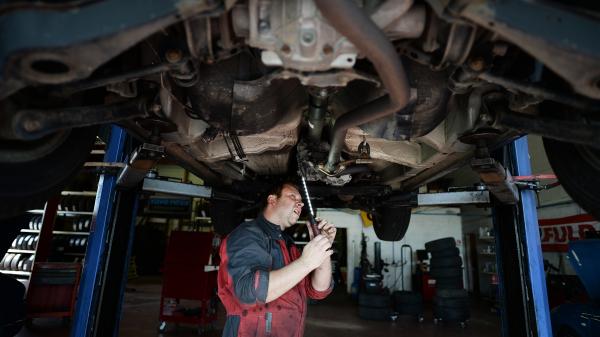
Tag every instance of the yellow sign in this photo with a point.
(366, 219)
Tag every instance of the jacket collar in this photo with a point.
(273, 230)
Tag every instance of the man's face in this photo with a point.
(288, 206)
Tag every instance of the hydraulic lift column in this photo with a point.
(104, 278)
(522, 283)
(100, 297)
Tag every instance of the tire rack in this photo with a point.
(40, 228)
(34, 245)
(20, 257)
(38, 250)
(70, 242)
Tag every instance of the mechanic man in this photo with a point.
(263, 279)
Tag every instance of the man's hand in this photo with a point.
(325, 228)
(314, 256)
(316, 251)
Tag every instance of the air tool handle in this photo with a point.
(313, 225)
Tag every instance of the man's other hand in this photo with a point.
(326, 229)
(316, 251)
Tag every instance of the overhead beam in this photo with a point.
(171, 187)
(453, 198)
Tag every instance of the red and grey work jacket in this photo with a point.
(248, 254)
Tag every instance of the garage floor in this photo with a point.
(335, 316)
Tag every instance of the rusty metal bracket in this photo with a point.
(498, 180)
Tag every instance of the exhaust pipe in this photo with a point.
(354, 24)
(317, 107)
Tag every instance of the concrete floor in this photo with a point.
(332, 317)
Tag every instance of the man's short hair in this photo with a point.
(276, 190)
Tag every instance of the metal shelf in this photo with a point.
(70, 233)
(21, 251)
(12, 272)
(74, 213)
(36, 231)
(55, 232)
(41, 211)
(80, 193)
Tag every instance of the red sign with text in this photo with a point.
(556, 233)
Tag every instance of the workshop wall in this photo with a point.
(425, 225)
(474, 218)
(174, 171)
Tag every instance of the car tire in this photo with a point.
(446, 262)
(444, 253)
(440, 244)
(449, 283)
(446, 272)
(452, 293)
(28, 184)
(578, 170)
(451, 302)
(391, 223)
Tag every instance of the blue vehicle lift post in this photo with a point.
(98, 308)
(522, 282)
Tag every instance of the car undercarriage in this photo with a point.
(368, 99)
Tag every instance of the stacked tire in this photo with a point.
(451, 305)
(408, 303)
(451, 300)
(81, 224)
(16, 262)
(374, 307)
(25, 242)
